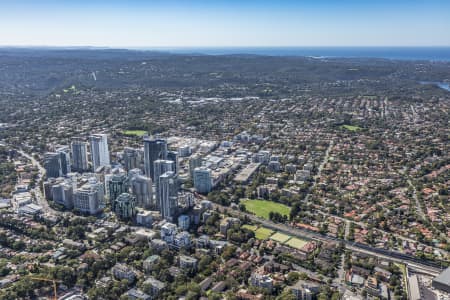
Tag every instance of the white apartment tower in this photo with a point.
(99, 150)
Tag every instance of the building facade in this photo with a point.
(64, 153)
(202, 180)
(89, 198)
(141, 187)
(160, 167)
(52, 164)
(79, 156)
(132, 158)
(168, 195)
(99, 150)
(117, 184)
(154, 149)
(125, 206)
(62, 193)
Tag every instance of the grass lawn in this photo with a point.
(296, 243)
(263, 233)
(250, 227)
(280, 237)
(262, 208)
(134, 132)
(351, 127)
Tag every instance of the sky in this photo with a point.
(224, 23)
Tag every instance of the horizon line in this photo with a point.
(222, 46)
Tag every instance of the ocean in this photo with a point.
(393, 53)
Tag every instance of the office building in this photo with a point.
(117, 184)
(64, 153)
(184, 222)
(134, 172)
(202, 180)
(141, 188)
(79, 156)
(173, 156)
(186, 199)
(194, 162)
(125, 206)
(160, 167)
(89, 198)
(99, 150)
(52, 164)
(184, 151)
(132, 158)
(168, 194)
(154, 149)
(62, 193)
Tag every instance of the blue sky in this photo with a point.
(232, 23)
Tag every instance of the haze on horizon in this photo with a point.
(222, 23)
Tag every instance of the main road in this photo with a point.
(394, 256)
(40, 198)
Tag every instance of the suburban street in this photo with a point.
(39, 196)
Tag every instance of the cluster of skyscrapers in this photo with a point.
(60, 162)
(149, 181)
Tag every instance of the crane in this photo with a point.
(55, 297)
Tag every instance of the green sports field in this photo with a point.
(296, 243)
(262, 208)
(263, 233)
(134, 132)
(351, 127)
(280, 237)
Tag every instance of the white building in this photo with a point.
(168, 232)
(99, 150)
(160, 167)
(144, 218)
(261, 280)
(89, 198)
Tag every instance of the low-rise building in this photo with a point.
(188, 262)
(153, 286)
(135, 294)
(150, 262)
(121, 271)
